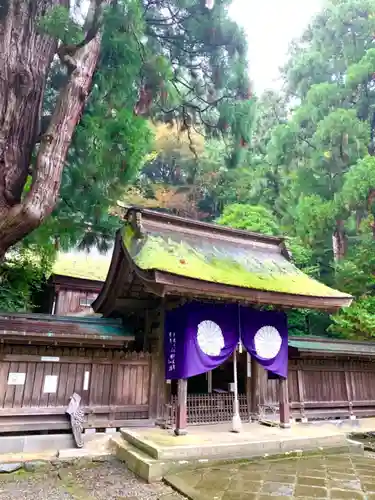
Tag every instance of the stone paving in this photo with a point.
(94, 481)
(338, 477)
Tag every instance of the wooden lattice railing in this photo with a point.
(209, 408)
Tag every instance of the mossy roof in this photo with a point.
(82, 265)
(233, 262)
(332, 346)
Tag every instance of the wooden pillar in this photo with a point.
(209, 382)
(349, 393)
(158, 385)
(284, 403)
(248, 385)
(181, 411)
(57, 305)
(301, 394)
(153, 344)
(163, 388)
(255, 388)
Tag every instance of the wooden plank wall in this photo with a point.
(114, 386)
(326, 387)
(69, 301)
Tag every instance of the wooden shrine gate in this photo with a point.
(36, 383)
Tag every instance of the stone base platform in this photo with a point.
(154, 453)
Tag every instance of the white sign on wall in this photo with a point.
(16, 378)
(86, 381)
(50, 384)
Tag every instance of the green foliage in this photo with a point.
(311, 159)
(363, 71)
(331, 69)
(154, 67)
(314, 217)
(22, 275)
(302, 256)
(298, 163)
(251, 218)
(58, 23)
(355, 274)
(357, 321)
(358, 184)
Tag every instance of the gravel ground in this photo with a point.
(93, 481)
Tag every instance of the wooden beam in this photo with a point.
(209, 382)
(161, 388)
(136, 304)
(284, 403)
(152, 220)
(181, 410)
(301, 394)
(180, 285)
(74, 283)
(248, 363)
(255, 388)
(153, 344)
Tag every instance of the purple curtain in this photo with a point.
(198, 338)
(264, 335)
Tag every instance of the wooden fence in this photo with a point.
(326, 388)
(318, 389)
(37, 382)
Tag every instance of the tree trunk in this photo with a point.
(339, 241)
(370, 207)
(25, 59)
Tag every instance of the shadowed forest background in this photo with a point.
(172, 124)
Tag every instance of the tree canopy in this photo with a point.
(309, 171)
(170, 123)
(75, 108)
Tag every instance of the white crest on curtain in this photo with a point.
(267, 342)
(210, 338)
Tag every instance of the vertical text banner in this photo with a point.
(198, 338)
(265, 337)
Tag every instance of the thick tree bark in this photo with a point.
(339, 241)
(25, 58)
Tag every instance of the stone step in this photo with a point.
(153, 470)
(177, 448)
(136, 460)
(146, 467)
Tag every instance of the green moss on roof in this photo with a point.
(223, 262)
(82, 266)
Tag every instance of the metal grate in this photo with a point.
(210, 408)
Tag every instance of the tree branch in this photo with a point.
(66, 52)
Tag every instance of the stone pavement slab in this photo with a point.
(321, 477)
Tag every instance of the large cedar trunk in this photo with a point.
(25, 58)
(339, 241)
